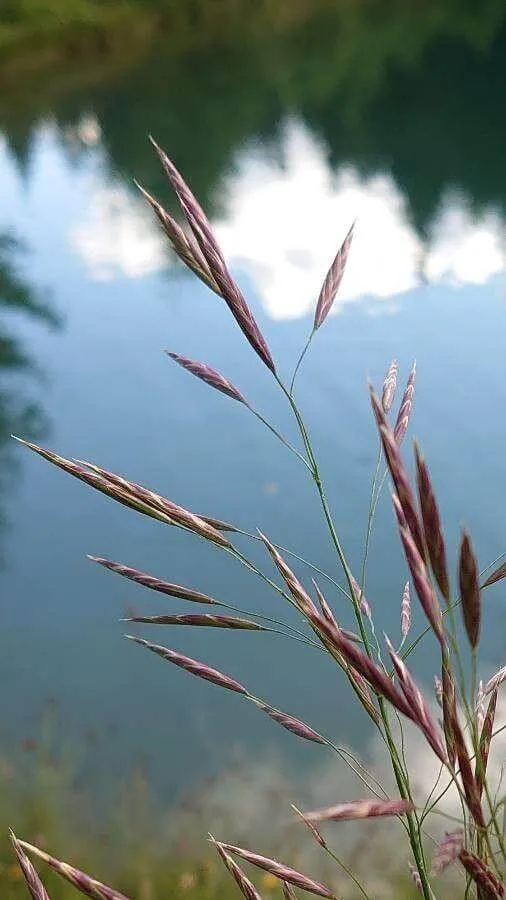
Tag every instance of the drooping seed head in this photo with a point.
(301, 597)
(133, 495)
(389, 387)
(204, 620)
(290, 723)
(360, 809)
(332, 281)
(281, 871)
(84, 883)
(33, 882)
(206, 240)
(432, 528)
(438, 687)
(209, 375)
(246, 887)
(201, 670)
(469, 590)
(482, 876)
(153, 583)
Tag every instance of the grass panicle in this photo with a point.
(461, 744)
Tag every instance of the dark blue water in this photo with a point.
(104, 298)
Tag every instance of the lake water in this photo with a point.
(284, 151)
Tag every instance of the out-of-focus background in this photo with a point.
(290, 120)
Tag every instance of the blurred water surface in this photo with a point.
(286, 141)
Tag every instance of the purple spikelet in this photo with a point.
(201, 670)
(84, 883)
(210, 376)
(469, 590)
(281, 871)
(332, 281)
(206, 240)
(33, 882)
(405, 409)
(389, 387)
(405, 611)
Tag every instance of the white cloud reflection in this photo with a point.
(117, 237)
(283, 223)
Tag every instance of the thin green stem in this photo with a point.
(306, 562)
(400, 776)
(348, 871)
(279, 435)
(299, 361)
